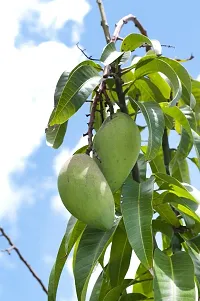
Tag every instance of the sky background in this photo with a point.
(38, 42)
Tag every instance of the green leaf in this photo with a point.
(181, 168)
(183, 76)
(196, 139)
(137, 213)
(142, 166)
(81, 150)
(161, 84)
(149, 64)
(156, 124)
(190, 116)
(133, 41)
(196, 261)
(91, 246)
(145, 282)
(133, 297)
(165, 210)
(110, 54)
(97, 288)
(161, 226)
(119, 257)
(55, 134)
(79, 86)
(74, 230)
(115, 293)
(173, 186)
(174, 277)
(157, 164)
(195, 161)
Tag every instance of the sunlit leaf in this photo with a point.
(145, 282)
(79, 86)
(150, 64)
(174, 277)
(110, 54)
(156, 124)
(133, 41)
(137, 213)
(183, 76)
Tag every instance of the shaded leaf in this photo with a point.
(115, 292)
(91, 246)
(133, 297)
(97, 288)
(79, 86)
(110, 54)
(137, 213)
(142, 166)
(74, 230)
(119, 257)
(156, 124)
(174, 277)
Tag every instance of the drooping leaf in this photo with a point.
(110, 54)
(183, 76)
(114, 293)
(174, 277)
(92, 244)
(165, 210)
(156, 124)
(97, 288)
(74, 230)
(161, 84)
(119, 257)
(174, 186)
(56, 133)
(137, 214)
(133, 41)
(196, 139)
(79, 86)
(181, 172)
(162, 226)
(142, 165)
(196, 261)
(149, 64)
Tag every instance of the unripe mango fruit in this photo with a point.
(85, 192)
(116, 148)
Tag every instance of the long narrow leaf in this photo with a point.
(119, 257)
(149, 64)
(91, 246)
(174, 277)
(137, 213)
(77, 89)
(156, 124)
(74, 230)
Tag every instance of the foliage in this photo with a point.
(159, 94)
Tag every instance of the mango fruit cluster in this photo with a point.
(86, 185)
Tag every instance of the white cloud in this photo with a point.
(66, 153)
(28, 77)
(58, 207)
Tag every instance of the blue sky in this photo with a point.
(37, 44)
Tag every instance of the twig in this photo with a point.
(87, 56)
(185, 60)
(13, 247)
(108, 102)
(104, 23)
(125, 20)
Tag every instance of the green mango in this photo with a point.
(85, 192)
(116, 148)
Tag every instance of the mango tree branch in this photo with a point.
(125, 20)
(104, 23)
(13, 247)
